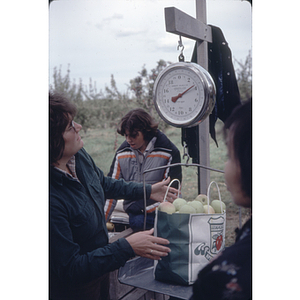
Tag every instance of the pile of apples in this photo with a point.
(198, 205)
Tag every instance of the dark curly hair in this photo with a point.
(60, 111)
(138, 120)
(239, 123)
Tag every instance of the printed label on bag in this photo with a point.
(216, 234)
(207, 236)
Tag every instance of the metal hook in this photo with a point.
(185, 152)
(180, 45)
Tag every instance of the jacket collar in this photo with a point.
(56, 176)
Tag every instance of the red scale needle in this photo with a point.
(174, 99)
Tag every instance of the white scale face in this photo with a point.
(184, 94)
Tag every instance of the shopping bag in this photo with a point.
(194, 240)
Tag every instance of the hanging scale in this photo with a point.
(184, 92)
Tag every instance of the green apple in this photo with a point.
(202, 198)
(216, 204)
(187, 209)
(208, 209)
(167, 207)
(197, 205)
(178, 203)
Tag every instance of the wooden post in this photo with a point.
(202, 60)
(180, 23)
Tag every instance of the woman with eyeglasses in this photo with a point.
(80, 255)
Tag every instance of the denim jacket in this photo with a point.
(79, 249)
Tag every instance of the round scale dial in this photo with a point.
(184, 94)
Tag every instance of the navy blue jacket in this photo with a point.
(79, 249)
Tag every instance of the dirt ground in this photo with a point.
(232, 221)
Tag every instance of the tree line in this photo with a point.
(104, 109)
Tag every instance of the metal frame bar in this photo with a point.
(183, 24)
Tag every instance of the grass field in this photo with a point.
(101, 145)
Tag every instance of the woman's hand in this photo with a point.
(145, 244)
(159, 190)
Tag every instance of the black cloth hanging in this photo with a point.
(221, 69)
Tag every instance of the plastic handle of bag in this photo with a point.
(208, 190)
(169, 188)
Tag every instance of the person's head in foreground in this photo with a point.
(238, 168)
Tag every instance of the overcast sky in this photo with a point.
(100, 38)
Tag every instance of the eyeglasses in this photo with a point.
(72, 126)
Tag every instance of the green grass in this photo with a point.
(101, 144)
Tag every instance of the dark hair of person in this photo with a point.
(60, 111)
(138, 120)
(239, 124)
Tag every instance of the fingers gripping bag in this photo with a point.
(194, 240)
